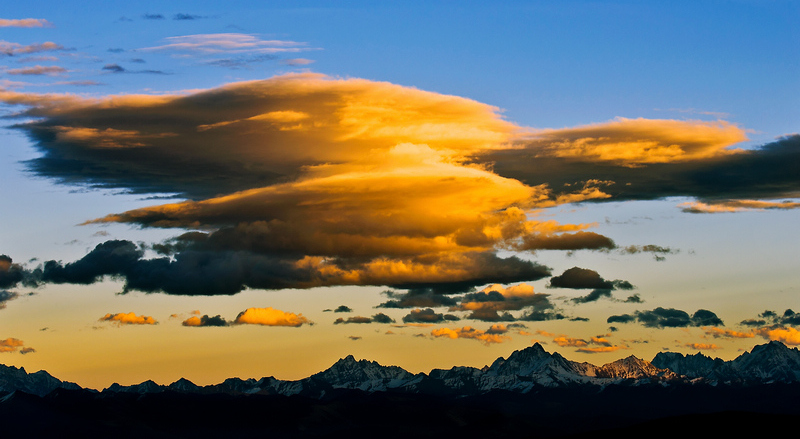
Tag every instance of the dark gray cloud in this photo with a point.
(377, 318)
(428, 315)
(419, 298)
(567, 241)
(116, 68)
(668, 318)
(598, 294)
(343, 308)
(580, 278)
(5, 296)
(149, 16)
(772, 318)
(10, 273)
(206, 320)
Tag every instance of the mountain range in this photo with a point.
(531, 393)
(521, 372)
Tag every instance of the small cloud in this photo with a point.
(377, 318)
(6, 296)
(153, 16)
(297, 62)
(343, 308)
(668, 318)
(114, 68)
(181, 17)
(128, 319)
(24, 351)
(427, 316)
(270, 317)
(354, 337)
(205, 320)
(468, 332)
(702, 346)
(584, 278)
(11, 49)
(10, 345)
(25, 22)
(38, 70)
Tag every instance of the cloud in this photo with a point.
(377, 318)
(354, 319)
(5, 296)
(153, 16)
(205, 320)
(493, 335)
(270, 317)
(634, 142)
(10, 273)
(727, 333)
(13, 345)
(703, 346)
(727, 206)
(486, 304)
(668, 318)
(343, 308)
(128, 319)
(427, 315)
(38, 70)
(768, 317)
(787, 335)
(25, 22)
(580, 278)
(116, 68)
(297, 62)
(27, 350)
(12, 49)
(416, 299)
(183, 17)
(228, 43)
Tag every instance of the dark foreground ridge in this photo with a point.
(532, 393)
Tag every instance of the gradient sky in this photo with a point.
(217, 189)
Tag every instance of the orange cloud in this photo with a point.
(564, 341)
(787, 335)
(10, 344)
(702, 346)
(24, 22)
(601, 349)
(736, 206)
(486, 337)
(727, 333)
(128, 319)
(270, 317)
(633, 142)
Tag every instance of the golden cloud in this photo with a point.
(270, 317)
(10, 344)
(727, 333)
(787, 335)
(486, 337)
(736, 206)
(633, 142)
(128, 319)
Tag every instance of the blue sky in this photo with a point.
(547, 103)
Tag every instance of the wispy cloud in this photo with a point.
(12, 49)
(228, 43)
(38, 70)
(24, 22)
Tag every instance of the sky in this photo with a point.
(245, 189)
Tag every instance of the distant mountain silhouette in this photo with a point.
(532, 393)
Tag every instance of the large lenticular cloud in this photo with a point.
(304, 180)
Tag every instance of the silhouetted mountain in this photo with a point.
(532, 393)
(765, 363)
(38, 383)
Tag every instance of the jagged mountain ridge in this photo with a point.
(523, 371)
(769, 362)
